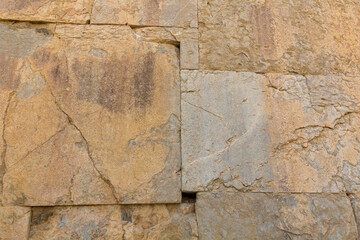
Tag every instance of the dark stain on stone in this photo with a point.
(9, 78)
(126, 215)
(143, 82)
(151, 12)
(115, 83)
(41, 215)
(44, 31)
(263, 23)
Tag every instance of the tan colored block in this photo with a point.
(115, 222)
(187, 39)
(305, 37)
(75, 11)
(275, 216)
(93, 119)
(273, 132)
(176, 13)
(14, 223)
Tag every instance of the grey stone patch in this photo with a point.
(32, 87)
(224, 125)
(21, 41)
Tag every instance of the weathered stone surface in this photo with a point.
(307, 37)
(115, 222)
(91, 117)
(14, 223)
(273, 132)
(187, 39)
(75, 11)
(275, 216)
(175, 13)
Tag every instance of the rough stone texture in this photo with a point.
(14, 223)
(273, 132)
(74, 11)
(306, 37)
(91, 117)
(175, 13)
(275, 216)
(187, 39)
(115, 222)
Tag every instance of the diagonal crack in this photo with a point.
(3, 166)
(71, 122)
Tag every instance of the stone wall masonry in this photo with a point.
(179, 119)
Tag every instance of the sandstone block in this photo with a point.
(275, 216)
(305, 37)
(176, 13)
(75, 11)
(273, 132)
(187, 39)
(115, 222)
(14, 223)
(91, 117)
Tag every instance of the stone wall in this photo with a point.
(179, 119)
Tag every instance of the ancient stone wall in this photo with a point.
(179, 119)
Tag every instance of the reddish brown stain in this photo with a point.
(9, 77)
(263, 27)
(151, 12)
(114, 83)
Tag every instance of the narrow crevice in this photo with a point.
(3, 166)
(188, 197)
(352, 200)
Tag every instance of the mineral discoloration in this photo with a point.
(305, 37)
(67, 96)
(115, 222)
(275, 216)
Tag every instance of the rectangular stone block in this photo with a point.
(187, 39)
(115, 222)
(269, 133)
(74, 11)
(274, 216)
(91, 116)
(14, 223)
(305, 37)
(175, 13)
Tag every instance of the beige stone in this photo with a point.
(115, 222)
(273, 132)
(75, 11)
(175, 13)
(306, 37)
(92, 117)
(275, 216)
(186, 38)
(14, 223)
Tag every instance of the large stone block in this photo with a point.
(306, 37)
(274, 216)
(14, 223)
(273, 132)
(75, 11)
(175, 13)
(115, 222)
(91, 116)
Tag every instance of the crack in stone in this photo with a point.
(3, 154)
(71, 122)
(351, 198)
